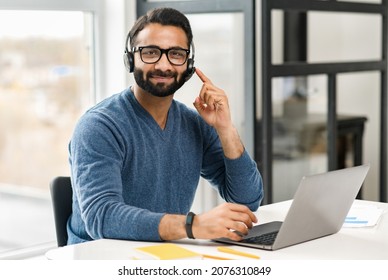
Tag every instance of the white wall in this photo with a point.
(111, 34)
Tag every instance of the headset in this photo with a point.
(129, 60)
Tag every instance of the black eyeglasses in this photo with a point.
(152, 54)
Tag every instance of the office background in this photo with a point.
(40, 104)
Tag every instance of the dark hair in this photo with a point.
(163, 16)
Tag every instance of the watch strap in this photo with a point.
(189, 225)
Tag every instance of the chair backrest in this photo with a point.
(61, 197)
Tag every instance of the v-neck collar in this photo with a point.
(151, 122)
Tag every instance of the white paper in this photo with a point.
(363, 216)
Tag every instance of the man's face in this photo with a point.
(161, 78)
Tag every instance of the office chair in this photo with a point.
(61, 197)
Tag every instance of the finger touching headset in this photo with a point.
(129, 60)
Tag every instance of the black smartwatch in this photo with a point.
(189, 225)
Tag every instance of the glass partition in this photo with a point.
(299, 127)
(363, 89)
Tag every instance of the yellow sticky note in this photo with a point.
(167, 251)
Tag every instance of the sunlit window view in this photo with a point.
(46, 83)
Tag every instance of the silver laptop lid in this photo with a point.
(320, 205)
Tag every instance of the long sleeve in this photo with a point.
(97, 162)
(237, 180)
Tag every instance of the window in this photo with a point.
(46, 83)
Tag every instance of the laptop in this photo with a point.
(319, 208)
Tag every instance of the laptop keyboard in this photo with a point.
(264, 239)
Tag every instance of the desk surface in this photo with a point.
(348, 243)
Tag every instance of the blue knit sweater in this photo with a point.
(127, 172)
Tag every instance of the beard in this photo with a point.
(159, 89)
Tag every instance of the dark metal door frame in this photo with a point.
(270, 71)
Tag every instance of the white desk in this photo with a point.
(348, 243)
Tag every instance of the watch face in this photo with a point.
(190, 218)
(189, 223)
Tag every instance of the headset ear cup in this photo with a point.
(190, 69)
(129, 61)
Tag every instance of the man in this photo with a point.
(136, 157)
